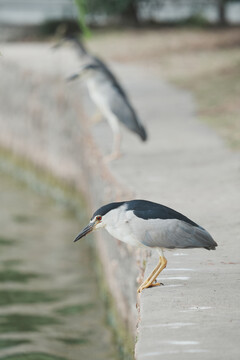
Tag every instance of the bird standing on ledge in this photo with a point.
(145, 223)
(108, 95)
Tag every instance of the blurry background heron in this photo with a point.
(108, 95)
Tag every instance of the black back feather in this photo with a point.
(149, 210)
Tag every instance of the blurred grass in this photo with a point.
(81, 10)
(218, 96)
(204, 61)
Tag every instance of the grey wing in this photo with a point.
(179, 234)
(123, 110)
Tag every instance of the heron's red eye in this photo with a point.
(99, 218)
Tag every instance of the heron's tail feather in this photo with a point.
(142, 133)
(203, 238)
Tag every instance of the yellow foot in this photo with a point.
(145, 286)
(156, 284)
(151, 280)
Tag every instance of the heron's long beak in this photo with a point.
(73, 77)
(83, 71)
(85, 231)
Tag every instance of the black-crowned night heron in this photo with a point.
(146, 224)
(108, 95)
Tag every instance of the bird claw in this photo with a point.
(156, 284)
(141, 288)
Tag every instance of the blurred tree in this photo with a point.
(222, 12)
(130, 11)
(127, 9)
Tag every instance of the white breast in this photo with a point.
(96, 96)
(118, 224)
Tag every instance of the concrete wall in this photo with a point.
(41, 118)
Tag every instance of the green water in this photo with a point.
(49, 301)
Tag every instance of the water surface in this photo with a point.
(49, 302)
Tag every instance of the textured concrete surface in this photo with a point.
(184, 165)
(195, 315)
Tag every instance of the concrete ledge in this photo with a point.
(43, 122)
(186, 166)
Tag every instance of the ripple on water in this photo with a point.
(10, 275)
(5, 343)
(75, 309)
(33, 356)
(11, 297)
(6, 241)
(25, 322)
(49, 298)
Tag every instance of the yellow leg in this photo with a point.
(96, 118)
(151, 275)
(150, 282)
(113, 156)
(116, 153)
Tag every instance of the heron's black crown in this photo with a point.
(146, 210)
(106, 208)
